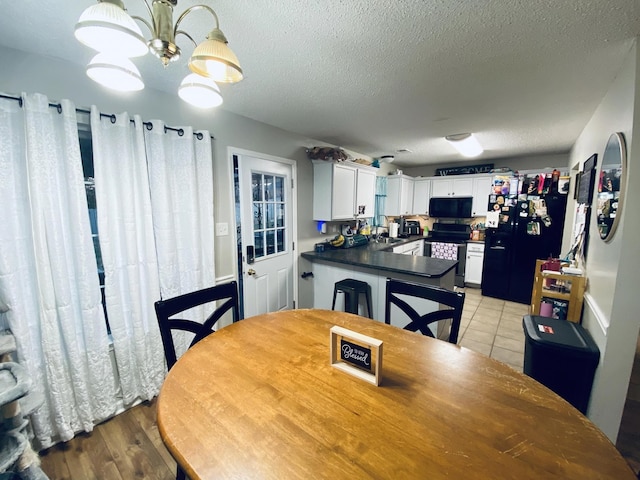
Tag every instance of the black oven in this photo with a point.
(462, 257)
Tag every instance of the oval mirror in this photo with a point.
(611, 182)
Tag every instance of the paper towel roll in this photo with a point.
(393, 230)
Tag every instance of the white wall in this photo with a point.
(611, 307)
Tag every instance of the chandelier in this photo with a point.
(107, 28)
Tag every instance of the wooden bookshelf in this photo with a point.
(558, 286)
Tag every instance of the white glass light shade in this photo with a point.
(214, 59)
(107, 28)
(466, 144)
(199, 91)
(116, 73)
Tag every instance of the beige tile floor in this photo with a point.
(493, 327)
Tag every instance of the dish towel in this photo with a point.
(446, 251)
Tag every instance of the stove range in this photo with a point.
(451, 233)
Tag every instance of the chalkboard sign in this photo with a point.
(356, 354)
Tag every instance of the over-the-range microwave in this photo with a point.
(450, 207)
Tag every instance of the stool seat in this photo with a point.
(352, 290)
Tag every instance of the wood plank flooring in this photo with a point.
(126, 447)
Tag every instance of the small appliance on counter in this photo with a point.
(412, 227)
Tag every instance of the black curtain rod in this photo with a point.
(111, 116)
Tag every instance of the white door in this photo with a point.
(267, 234)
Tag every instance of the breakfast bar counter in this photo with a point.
(373, 264)
(393, 263)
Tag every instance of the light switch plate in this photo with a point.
(222, 229)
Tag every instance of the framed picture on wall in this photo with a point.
(586, 180)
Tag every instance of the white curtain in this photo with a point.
(181, 182)
(49, 287)
(125, 229)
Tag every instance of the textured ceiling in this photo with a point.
(375, 76)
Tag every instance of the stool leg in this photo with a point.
(333, 304)
(368, 296)
(351, 303)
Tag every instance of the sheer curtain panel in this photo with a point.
(49, 285)
(181, 182)
(128, 248)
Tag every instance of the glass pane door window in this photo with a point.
(268, 214)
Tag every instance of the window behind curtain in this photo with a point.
(86, 150)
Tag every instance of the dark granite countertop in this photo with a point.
(377, 257)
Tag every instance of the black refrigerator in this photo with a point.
(527, 225)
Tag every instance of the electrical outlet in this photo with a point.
(222, 229)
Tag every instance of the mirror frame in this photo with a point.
(611, 186)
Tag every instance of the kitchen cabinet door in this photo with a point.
(481, 191)
(399, 196)
(421, 196)
(452, 187)
(339, 189)
(365, 193)
(473, 263)
(343, 193)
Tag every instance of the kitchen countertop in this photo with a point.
(378, 256)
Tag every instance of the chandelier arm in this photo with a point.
(149, 11)
(151, 29)
(182, 32)
(192, 9)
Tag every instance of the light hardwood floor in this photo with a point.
(129, 445)
(126, 447)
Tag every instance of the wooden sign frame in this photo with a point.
(351, 338)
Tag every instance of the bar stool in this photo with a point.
(352, 290)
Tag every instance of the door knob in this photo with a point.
(251, 271)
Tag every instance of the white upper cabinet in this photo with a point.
(343, 191)
(365, 193)
(481, 191)
(452, 187)
(421, 196)
(399, 199)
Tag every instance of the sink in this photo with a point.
(389, 240)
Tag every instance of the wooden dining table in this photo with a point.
(260, 399)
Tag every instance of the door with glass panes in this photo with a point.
(267, 235)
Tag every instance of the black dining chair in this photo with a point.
(227, 293)
(419, 322)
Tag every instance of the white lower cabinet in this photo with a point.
(473, 265)
(412, 248)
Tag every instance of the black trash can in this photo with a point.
(562, 356)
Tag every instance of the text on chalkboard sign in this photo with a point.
(355, 354)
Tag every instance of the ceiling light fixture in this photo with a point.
(107, 28)
(200, 91)
(465, 143)
(115, 72)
